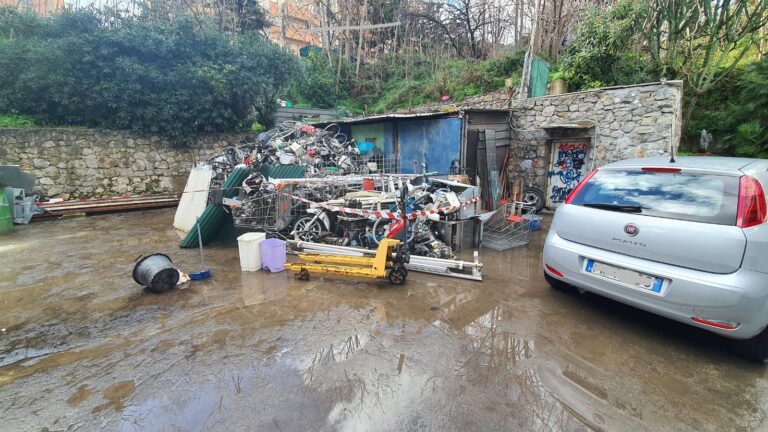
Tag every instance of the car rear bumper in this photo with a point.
(740, 297)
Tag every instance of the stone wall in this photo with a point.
(72, 163)
(617, 122)
(620, 123)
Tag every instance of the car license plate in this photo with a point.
(625, 276)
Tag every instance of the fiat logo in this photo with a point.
(631, 230)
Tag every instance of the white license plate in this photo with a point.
(625, 276)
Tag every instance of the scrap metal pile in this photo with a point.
(324, 192)
(342, 199)
(322, 152)
(340, 211)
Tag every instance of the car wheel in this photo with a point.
(756, 348)
(555, 283)
(535, 198)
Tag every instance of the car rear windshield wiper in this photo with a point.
(616, 207)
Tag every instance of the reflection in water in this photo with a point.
(512, 263)
(259, 287)
(336, 352)
(496, 357)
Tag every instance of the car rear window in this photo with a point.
(691, 197)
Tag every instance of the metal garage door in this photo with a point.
(434, 142)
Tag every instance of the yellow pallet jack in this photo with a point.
(389, 262)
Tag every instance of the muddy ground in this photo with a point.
(82, 347)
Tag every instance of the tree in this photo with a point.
(702, 41)
(750, 138)
(607, 49)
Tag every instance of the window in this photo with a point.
(692, 197)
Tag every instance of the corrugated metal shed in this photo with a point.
(430, 145)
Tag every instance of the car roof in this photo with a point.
(709, 163)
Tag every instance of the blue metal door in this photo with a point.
(435, 143)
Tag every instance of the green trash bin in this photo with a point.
(6, 220)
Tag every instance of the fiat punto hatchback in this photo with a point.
(685, 239)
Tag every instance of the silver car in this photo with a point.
(685, 239)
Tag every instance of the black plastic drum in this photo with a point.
(156, 272)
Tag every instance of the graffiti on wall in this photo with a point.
(569, 160)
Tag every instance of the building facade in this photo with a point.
(288, 18)
(40, 7)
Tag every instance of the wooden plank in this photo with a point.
(471, 161)
(107, 208)
(493, 170)
(499, 135)
(483, 126)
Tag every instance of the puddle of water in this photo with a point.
(83, 393)
(336, 354)
(115, 396)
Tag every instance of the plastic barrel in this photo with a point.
(368, 184)
(250, 253)
(273, 255)
(6, 220)
(156, 272)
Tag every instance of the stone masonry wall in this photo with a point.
(73, 163)
(622, 122)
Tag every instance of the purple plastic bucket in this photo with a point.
(272, 255)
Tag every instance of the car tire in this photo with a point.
(535, 198)
(756, 348)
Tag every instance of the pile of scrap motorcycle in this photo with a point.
(321, 208)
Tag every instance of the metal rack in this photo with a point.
(265, 210)
(507, 228)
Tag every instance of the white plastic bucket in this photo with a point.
(250, 252)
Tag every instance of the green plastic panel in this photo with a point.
(539, 78)
(214, 217)
(6, 221)
(283, 171)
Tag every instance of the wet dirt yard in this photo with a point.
(82, 347)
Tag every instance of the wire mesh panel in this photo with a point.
(265, 210)
(380, 165)
(508, 228)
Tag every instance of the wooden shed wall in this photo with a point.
(477, 123)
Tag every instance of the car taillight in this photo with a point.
(579, 186)
(553, 271)
(725, 325)
(661, 170)
(752, 207)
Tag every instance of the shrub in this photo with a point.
(122, 72)
(16, 121)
